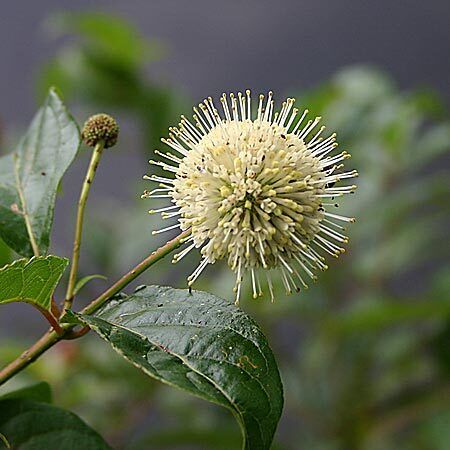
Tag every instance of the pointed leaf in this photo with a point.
(29, 177)
(83, 281)
(4, 441)
(29, 425)
(31, 281)
(202, 344)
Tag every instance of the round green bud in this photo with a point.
(100, 127)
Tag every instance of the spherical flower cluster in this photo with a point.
(100, 127)
(254, 190)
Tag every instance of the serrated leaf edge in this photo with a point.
(32, 301)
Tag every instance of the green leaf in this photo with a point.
(5, 254)
(39, 392)
(29, 425)
(29, 177)
(110, 36)
(4, 441)
(201, 344)
(32, 281)
(83, 281)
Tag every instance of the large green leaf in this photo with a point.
(39, 392)
(29, 425)
(202, 344)
(29, 177)
(31, 281)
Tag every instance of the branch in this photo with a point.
(51, 337)
(135, 272)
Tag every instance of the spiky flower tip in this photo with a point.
(100, 127)
(254, 188)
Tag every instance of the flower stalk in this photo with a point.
(95, 159)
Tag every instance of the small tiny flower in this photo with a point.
(255, 191)
(100, 127)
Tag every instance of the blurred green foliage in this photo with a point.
(104, 66)
(364, 354)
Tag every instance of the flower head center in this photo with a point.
(248, 186)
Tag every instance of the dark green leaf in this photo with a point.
(202, 344)
(31, 281)
(29, 178)
(39, 392)
(29, 425)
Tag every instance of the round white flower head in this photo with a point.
(254, 189)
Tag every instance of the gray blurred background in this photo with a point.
(215, 46)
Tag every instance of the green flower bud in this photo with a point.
(100, 127)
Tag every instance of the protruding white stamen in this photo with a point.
(163, 230)
(250, 189)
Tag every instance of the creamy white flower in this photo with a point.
(254, 189)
